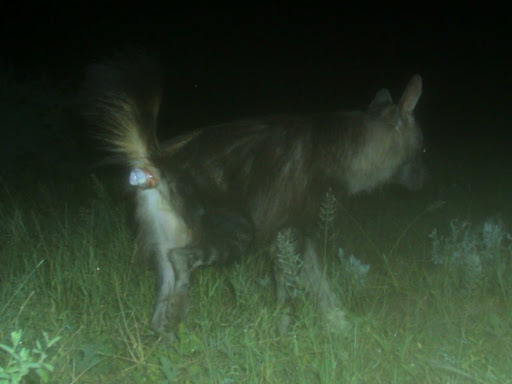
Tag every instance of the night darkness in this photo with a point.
(224, 64)
(228, 63)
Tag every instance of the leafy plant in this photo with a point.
(473, 255)
(327, 216)
(22, 361)
(354, 274)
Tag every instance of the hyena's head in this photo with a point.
(391, 145)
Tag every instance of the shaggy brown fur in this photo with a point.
(204, 197)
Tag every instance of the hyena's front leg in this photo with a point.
(314, 281)
(297, 268)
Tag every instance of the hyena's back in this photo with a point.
(282, 164)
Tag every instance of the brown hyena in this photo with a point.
(206, 196)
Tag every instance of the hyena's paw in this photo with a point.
(160, 322)
(169, 313)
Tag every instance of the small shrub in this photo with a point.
(354, 274)
(474, 257)
(22, 361)
(288, 261)
(327, 216)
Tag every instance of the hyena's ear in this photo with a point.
(382, 98)
(411, 96)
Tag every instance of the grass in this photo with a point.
(69, 272)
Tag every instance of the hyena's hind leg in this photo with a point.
(297, 268)
(225, 234)
(166, 284)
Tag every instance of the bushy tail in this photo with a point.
(122, 101)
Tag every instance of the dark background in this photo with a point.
(224, 63)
